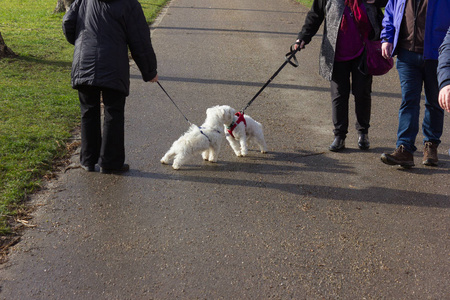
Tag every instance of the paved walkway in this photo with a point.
(298, 223)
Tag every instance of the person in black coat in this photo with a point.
(102, 32)
(347, 23)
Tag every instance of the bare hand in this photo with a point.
(155, 79)
(444, 98)
(302, 45)
(386, 50)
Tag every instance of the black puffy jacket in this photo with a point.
(102, 31)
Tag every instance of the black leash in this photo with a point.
(174, 103)
(289, 57)
(200, 128)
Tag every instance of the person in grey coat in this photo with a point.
(103, 31)
(346, 24)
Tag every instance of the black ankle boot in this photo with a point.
(363, 141)
(338, 144)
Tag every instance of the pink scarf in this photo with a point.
(360, 16)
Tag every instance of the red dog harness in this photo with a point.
(235, 123)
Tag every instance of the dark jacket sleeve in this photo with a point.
(381, 3)
(70, 23)
(375, 14)
(443, 70)
(139, 42)
(313, 20)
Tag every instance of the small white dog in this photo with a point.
(206, 139)
(242, 129)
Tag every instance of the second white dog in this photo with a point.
(206, 139)
(242, 129)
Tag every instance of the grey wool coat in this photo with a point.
(330, 12)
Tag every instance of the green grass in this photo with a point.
(38, 108)
(307, 3)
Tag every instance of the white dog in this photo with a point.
(206, 139)
(242, 129)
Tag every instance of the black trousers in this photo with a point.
(107, 149)
(361, 88)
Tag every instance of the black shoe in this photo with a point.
(123, 169)
(338, 144)
(363, 141)
(89, 168)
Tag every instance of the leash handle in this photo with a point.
(291, 55)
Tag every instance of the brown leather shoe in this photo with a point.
(430, 157)
(399, 157)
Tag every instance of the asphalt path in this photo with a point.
(300, 222)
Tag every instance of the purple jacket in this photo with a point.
(437, 23)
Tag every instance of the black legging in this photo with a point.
(361, 88)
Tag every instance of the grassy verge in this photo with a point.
(38, 108)
(307, 3)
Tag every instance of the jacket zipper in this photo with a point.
(416, 12)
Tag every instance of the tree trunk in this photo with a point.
(63, 5)
(4, 50)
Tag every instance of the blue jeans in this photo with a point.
(414, 72)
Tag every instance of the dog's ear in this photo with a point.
(222, 112)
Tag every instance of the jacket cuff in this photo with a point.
(149, 76)
(444, 84)
(302, 37)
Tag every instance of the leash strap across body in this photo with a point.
(289, 59)
(235, 123)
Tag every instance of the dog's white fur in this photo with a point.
(194, 141)
(242, 134)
